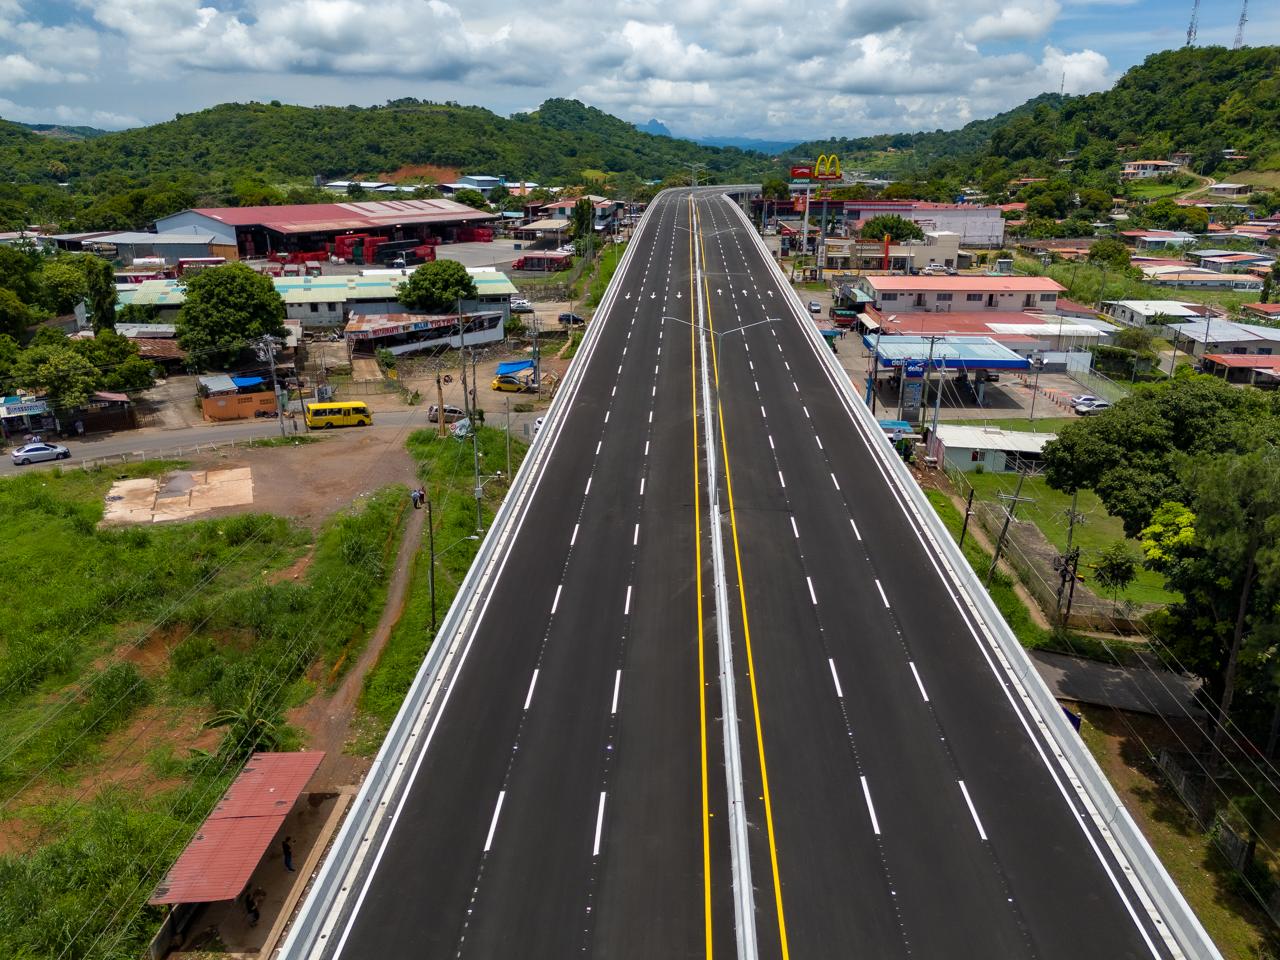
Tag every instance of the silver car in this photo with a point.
(35, 452)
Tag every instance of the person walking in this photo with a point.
(79, 428)
(417, 500)
(287, 848)
(251, 904)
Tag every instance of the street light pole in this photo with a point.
(1038, 363)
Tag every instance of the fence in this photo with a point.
(1099, 385)
(270, 435)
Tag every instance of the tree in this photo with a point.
(1116, 567)
(1096, 202)
(1109, 251)
(116, 359)
(225, 309)
(472, 198)
(1130, 455)
(1042, 206)
(100, 288)
(15, 316)
(582, 219)
(852, 191)
(1137, 339)
(437, 287)
(9, 351)
(775, 188)
(66, 379)
(62, 287)
(896, 227)
(1221, 551)
(498, 194)
(20, 272)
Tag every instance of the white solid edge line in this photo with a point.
(835, 677)
(972, 811)
(595, 847)
(882, 596)
(617, 686)
(493, 824)
(919, 683)
(528, 697)
(866, 792)
(556, 602)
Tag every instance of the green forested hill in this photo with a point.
(1202, 100)
(282, 143)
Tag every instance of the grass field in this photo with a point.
(1098, 530)
(1154, 190)
(1042, 424)
(605, 269)
(122, 647)
(1269, 179)
(1090, 283)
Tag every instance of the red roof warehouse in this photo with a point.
(256, 231)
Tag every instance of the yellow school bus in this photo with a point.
(348, 413)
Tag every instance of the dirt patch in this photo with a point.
(124, 760)
(311, 481)
(177, 496)
(295, 570)
(416, 170)
(152, 655)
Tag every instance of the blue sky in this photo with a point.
(704, 67)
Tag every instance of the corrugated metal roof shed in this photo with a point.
(222, 856)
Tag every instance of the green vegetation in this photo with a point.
(1159, 187)
(246, 151)
(226, 308)
(1041, 425)
(897, 228)
(605, 269)
(437, 287)
(1030, 634)
(122, 631)
(445, 470)
(1099, 530)
(571, 347)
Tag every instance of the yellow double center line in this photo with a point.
(746, 623)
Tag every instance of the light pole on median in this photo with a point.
(431, 570)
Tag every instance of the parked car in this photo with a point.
(815, 306)
(452, 414)
(569, 319)
(1089, 409)
(537, 425)
(1084, 398)
(937, 270)
(509, 384)
(521, 305)
(35, 452)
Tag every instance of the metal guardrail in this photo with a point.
(1178, 924)
(370, 815)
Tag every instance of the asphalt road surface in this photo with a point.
(569, 797)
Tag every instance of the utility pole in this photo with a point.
(968, 512)
(268, 344)
(1038, 363)
(1016, 499)
(440, 402)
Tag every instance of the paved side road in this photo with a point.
(157, 442)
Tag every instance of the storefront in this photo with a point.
(20, 416)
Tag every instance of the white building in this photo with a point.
(1147, 169)
(905, 294)
(1150, 313)
(967, 448)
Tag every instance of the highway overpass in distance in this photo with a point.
(719, 685)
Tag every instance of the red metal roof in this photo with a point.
(223, 854)
(1245, 360)
(324, 217)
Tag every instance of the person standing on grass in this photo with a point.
(287, 847)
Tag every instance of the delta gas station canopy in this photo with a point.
(948, 353)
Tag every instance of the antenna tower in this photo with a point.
(1194, 26)
(1244, 18)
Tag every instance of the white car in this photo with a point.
(1089, 409)
(35, 452)
(1084, 398)
(537, 425)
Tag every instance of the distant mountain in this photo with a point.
(59, 132)
(655, 127)
(771, 147)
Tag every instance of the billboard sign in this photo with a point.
(827, 168)
(802, 172)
